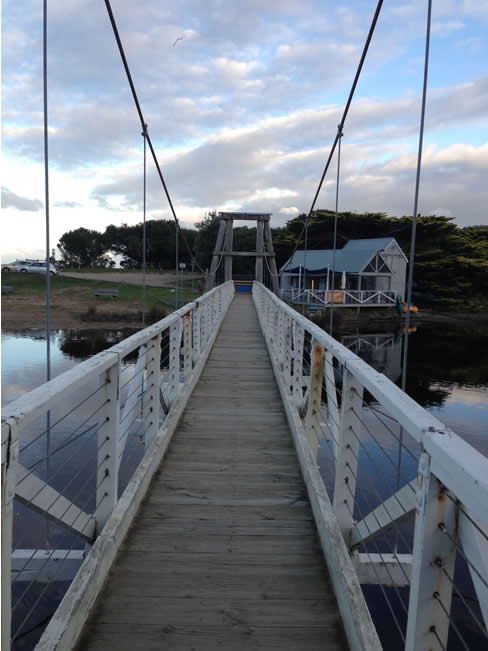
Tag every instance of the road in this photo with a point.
(160, 279)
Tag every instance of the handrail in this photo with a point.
(323, 385)
(116, 402)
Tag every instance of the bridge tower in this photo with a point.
(264, 247)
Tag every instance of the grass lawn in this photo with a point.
(26, 284)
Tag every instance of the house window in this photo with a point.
(377, 265)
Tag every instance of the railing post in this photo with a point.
(10, 455)
(212, 315)
(187, 361)
(348, 452)
(298, 364)
(312, 418)
(174, 360)
(281, 335)
(287, 342)
(332, 407)
(154, 381)
(108, 448)
(196, 332)
(433, 558)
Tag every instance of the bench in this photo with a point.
(7, 289)
(107, 293)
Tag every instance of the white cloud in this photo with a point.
(241, 112)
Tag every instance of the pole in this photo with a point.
(416, 194)
(339, 134)
(177, 260)
(143, 134)
(48, 259)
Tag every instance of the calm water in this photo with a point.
(447, 374)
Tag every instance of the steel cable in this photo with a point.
(145, 129)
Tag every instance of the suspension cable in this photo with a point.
(341, 124)
(144, 128)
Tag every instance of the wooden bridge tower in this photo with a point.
(264, 247)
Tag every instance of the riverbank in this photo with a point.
(73, 302)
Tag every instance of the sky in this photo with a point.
(242, 111)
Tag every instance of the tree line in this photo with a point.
(451, 263)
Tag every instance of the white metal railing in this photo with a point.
(348, 297)
(408, 494)
(70, 446)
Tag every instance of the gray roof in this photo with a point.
(352, 258)
(373, 244)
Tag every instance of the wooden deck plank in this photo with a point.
(224, 553)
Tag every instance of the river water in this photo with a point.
(447, 374)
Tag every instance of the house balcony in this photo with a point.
(319, 298)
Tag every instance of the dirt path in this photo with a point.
(160, 279)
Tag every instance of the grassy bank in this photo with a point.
(28, 284)
(73, 301)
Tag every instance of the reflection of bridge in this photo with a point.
(381, 351)
(211, 539)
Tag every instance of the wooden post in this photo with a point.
(216, 255)
(108, 448)
(312, 418)
(348, 452)
(10, 455)
(154, 381)
(259, 250)
(434, 555)
(228, 249)
(187, 361)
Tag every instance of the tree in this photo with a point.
(83, 247)
(160, 244)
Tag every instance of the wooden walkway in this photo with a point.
(224, 553)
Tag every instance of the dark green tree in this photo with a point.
(83, 247)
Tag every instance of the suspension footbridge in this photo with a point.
(227, 533)
(234, 477)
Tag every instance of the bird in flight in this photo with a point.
(178, 38)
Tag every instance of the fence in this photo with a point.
(408, 494)
(70, 448)
(347, 297)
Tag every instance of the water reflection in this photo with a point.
(447, 374)
(447, 371)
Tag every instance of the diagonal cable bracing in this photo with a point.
(144, 128)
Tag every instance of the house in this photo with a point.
(371, 271)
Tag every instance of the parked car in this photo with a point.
(11, 266)
(36, 267)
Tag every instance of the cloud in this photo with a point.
(68, 204)
(243, 110)
(12, 200)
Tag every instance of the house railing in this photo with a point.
(408, 495)
(71, 447)
(348, 297)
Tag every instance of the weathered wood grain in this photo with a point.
(224, 552)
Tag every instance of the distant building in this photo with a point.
(367, 271)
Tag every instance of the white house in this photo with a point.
(367, 271)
